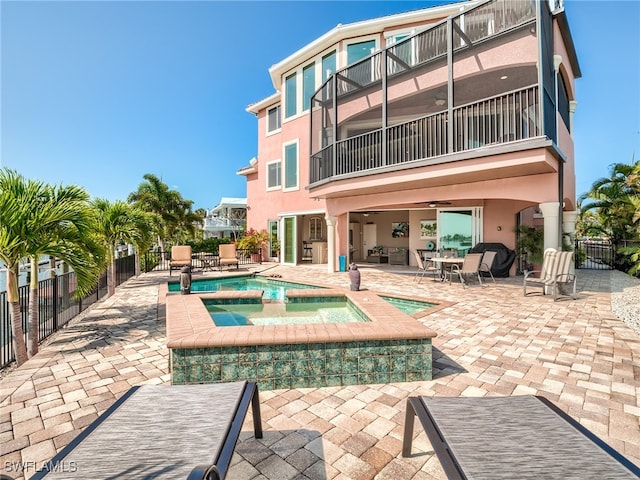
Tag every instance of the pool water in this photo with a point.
(273, 289)
(278, 313)
(407, 306)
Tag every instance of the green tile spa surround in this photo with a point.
(306, 365)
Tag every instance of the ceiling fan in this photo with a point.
(436, 203)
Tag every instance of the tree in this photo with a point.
(172, 213)
(615, 201)
(116, 224)
(61, 225)
(36, 219)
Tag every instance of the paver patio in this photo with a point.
(491, 341)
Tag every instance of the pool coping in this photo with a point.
(189, 324)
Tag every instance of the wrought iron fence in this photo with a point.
(155, 260)
(57, 305)
(595, 254)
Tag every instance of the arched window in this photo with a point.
(315, 228)
(563, 101)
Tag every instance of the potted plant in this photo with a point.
(530, 246)
(253, 242)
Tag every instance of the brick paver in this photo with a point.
(491, 341)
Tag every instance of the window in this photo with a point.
(291, 165)
(274, 175)
(315, 228)
(563, 102)
(308, 84)
(273, 119)
(291, 96)
(360, 50)
(328, 65)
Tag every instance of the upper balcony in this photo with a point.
(466, 83)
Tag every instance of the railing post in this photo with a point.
(449, 124)
(383, 140)
(334, 146)
(54, 292)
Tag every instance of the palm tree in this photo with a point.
(16, 195)
(615, 201)
(37, 219)
(61, 225)
(119, 223)
(155, 197)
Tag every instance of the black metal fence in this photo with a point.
(57, 305)
(595, 254)
(159, 260)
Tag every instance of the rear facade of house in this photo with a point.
(439, 128)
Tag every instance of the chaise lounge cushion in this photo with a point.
(161, 431)
(519, 437)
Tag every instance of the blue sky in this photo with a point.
(100, 93)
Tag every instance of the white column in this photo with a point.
(331, 243)
(569, 227)
(550, 214)
(572, 110)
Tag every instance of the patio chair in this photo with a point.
(556, 274)
(228, 256)
(450, 252)
(425, 267)
(487, 262)
(162, 432)
(180, 257)
(511, 437)
(470, 267)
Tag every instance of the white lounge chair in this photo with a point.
(555, 276)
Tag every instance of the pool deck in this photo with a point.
(490, 341)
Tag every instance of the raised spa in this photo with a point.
(299, 311)
(389, 346)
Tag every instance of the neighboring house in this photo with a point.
(227, 219)
(436, 128)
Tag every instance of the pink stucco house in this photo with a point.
(436, 128)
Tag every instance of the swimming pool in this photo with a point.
(272, 289)
(408, 306)
(329, 310)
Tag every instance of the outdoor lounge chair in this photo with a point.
(556, 274)
(228, 256)
(425, 267)
(523, 437)
(162, 431)
(180, 257)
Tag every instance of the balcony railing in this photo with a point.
(470, 28)
(500, 119)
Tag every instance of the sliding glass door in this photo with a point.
(459, 228)
(289, 240)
